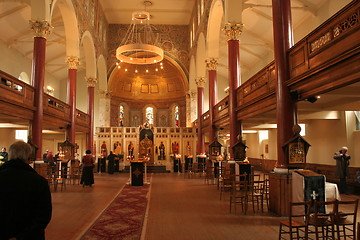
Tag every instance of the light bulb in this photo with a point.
(125, 69)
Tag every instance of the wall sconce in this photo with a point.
(50, 90)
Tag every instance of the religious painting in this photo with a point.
(188, 148)
(161, 150)
(130, 147)
(117, 148)
(175, 147)
(296, 152)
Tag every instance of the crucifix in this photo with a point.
(314, 195)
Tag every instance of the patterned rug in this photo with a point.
(123, 219)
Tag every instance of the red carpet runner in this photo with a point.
(124, 218)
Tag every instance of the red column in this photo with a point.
(73, 62)
(283, 40)
(41, 29)
(200, 148)
(211, 65)
(90, 136)
(233, 32)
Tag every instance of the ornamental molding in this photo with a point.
(91, 82)
(192, 93)
(72, 62)
(233, 30)
(211, 63)
(200, 81)
(105, 94)
(41, 28)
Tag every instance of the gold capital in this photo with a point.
(233, 30)
(91, 82)
(41, 28)
(200, 81)
(211, 63)
(72, 62)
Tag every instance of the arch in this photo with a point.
(24, 77)
(87, 43)
(200, 57)
(101, 73)
(214, 27)
(70, 25)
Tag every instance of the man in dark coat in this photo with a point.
(111, 162)
(25, 202)
(342, 167)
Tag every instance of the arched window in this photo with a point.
(121, 116)
(177, 115)
(149, 113)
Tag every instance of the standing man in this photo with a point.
(25, 203)
(342, 167)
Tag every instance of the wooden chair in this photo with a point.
(75, 174)
(345, 219)
(59, 178)
(239, 192)
(298, 221)
(209, 175)
(322, 220)
(256, 192)
(226, 181)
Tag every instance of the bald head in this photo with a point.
(20, 150)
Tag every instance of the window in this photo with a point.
(121, 116)
(177, 114)
(357, 114)
(21, 135)
(149, 113)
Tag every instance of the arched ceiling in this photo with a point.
(165, 84)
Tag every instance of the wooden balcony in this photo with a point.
(326, 59)
(17, 103)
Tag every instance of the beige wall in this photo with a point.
(9, 139)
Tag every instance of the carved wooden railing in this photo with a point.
(16, 93)
(221, 110)
(82, 118)
(327, 58)
(56, 108)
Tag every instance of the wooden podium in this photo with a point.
(137, 173)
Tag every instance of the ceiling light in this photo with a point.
(139, 45)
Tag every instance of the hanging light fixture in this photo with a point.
(140, 44)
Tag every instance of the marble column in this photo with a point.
(285, 106)
(73, 63)
(232, 32)
(91, 82)
(211, 65)
(200, 82)
(41, 30)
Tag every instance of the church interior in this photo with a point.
(275, 83)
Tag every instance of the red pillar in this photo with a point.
(233, 32)
(283, 40)
(200, 148)
(90, 136)
(211, 65)
(41, 29)
(73, 62)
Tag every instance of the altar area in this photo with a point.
(159, 144)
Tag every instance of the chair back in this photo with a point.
(300, 212)
(346, 211)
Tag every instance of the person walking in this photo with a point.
(342, 167)
(87, 178)
(25, 202)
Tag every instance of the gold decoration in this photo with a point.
(200, 82)
(41, 28)
(91, 82)
(233, 30)
(72, 62)
(211, 63)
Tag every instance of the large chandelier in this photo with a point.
(139, 45)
